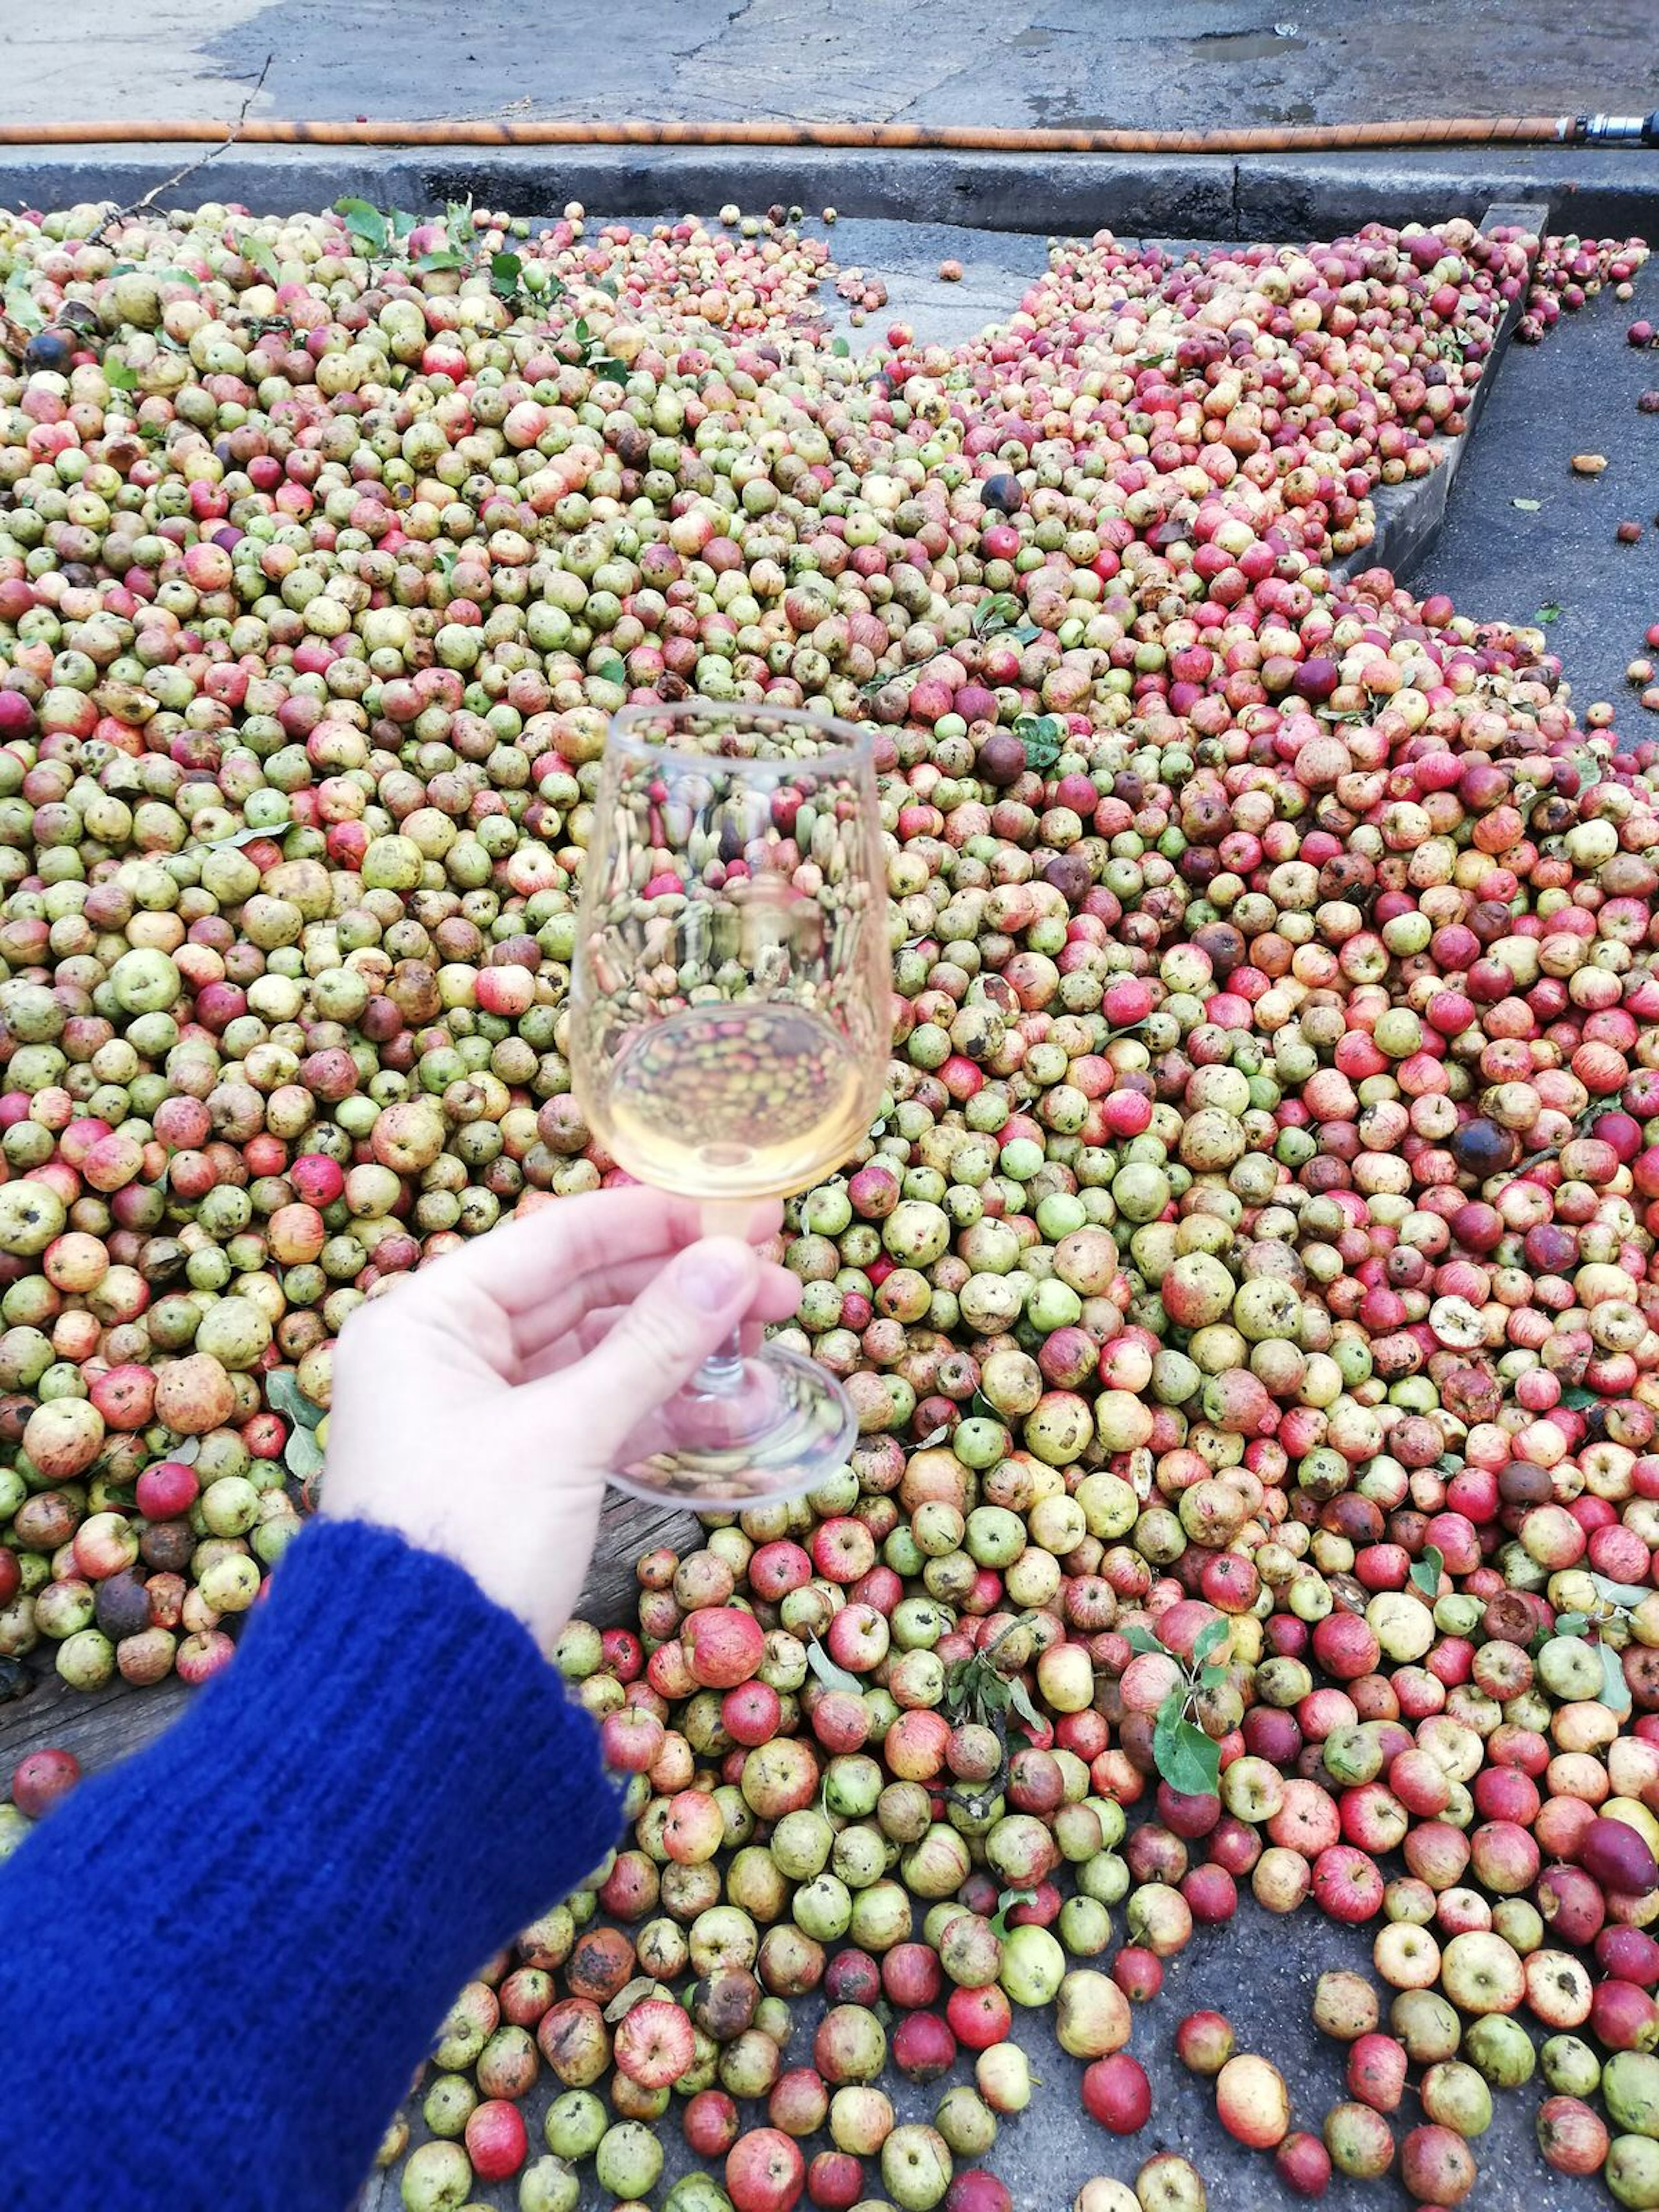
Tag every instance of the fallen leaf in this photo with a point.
(831, 1676)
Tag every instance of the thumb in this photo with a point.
(687, 1312)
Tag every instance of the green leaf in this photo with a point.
(631, 1993)
(285, 1395)
(1526, 506)
(1548, 614)
(1207, 1639)
(831, 1676)
(1212, 1678)
(990, 1692)
(1615, 1690)
(1579, 1397)
(504, 272)
(1619, 1593)
(363, 222)
(458, 219)
(303, 1454)
(1043, 737)
(445, 257)
(611, 670)
(997, 613)
(120, 377)
(262, 256)
(1571, 1624)
(580, 330)
(1186, 1759)
(1022, 1704)
(1006, 1903)
(842, 350)
(237, 838)
(1142, 1639)
(20, 303)
(402, 222)
(609, 371)
(1426, 1574)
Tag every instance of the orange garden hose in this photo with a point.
(1300, 137)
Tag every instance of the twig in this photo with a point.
(137, 207)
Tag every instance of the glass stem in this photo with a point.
(722, 1373)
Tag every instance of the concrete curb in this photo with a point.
(1196, 196)
(1409, 516)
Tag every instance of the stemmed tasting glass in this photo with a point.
(731, 1028)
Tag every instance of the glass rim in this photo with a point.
(852, 750)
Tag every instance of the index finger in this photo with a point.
(539, 1255)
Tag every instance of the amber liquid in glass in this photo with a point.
(738, 1101)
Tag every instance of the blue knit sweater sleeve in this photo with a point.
(221, 1961)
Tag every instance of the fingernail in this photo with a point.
(714, 1273)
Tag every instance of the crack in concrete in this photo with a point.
(695, 53)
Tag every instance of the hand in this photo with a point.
(478, 1406)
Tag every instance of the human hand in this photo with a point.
(478, 1406)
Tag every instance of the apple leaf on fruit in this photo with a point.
(1142, 1639)
(1426, 1574)
(1579, 1397)
(1615, 1690)
(1005, 1903)
(285, 1395)
(832, 1677)
(303, 1455)
(1189, 1760)
(234, 842)
(1619, 1594)
(999, 612)
(1043, 739)
(1207, 1639)
(365, 223)
(631, 1994)
(1571, 1624)
(1022, 1704)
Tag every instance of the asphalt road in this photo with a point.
(1089, 62)
(1575, 393)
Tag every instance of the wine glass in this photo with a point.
(731, 1026)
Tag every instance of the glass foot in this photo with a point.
(784, 1427)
